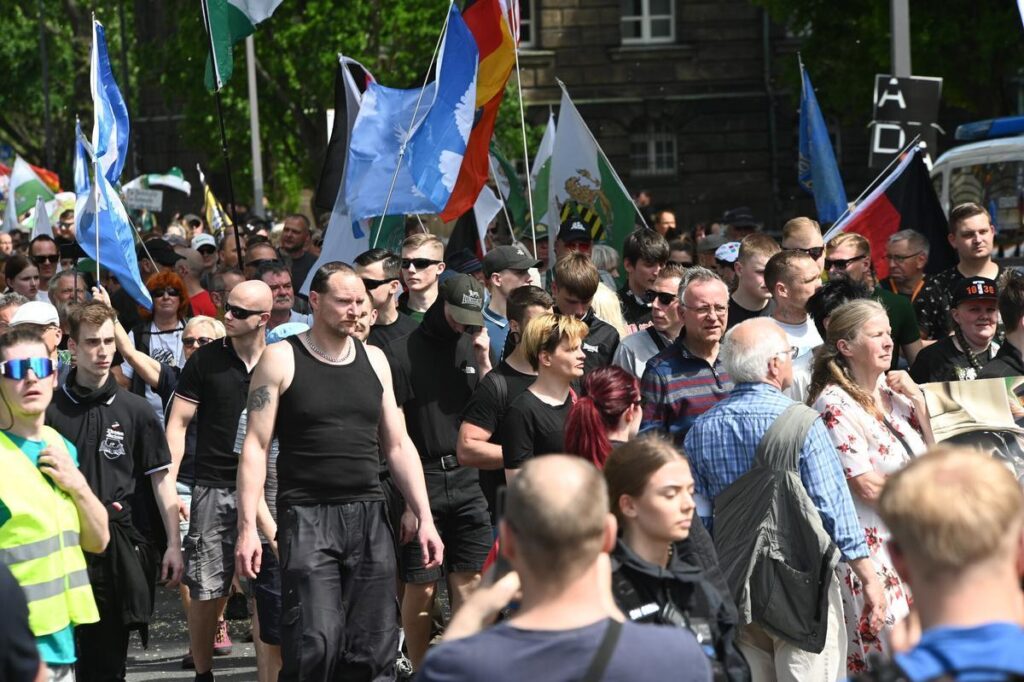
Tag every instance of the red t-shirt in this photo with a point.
(202, 304)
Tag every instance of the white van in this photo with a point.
(991, 174)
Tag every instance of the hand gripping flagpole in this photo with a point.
(416, 109)
(223, 136)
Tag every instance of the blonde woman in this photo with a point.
(607, 307)
(878, 423)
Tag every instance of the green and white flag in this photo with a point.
(540, 176)
(39, 221)
(26, 186)
(172, 179)
(582, 180)
(227, 22)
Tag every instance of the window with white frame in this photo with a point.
(653, 151)
(527, 35)
(648, 21)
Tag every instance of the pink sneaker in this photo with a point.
(222, 641)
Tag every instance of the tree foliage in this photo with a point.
(975, 47)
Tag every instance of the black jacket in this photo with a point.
(600, 344)
(1006, 363)
(680, 594)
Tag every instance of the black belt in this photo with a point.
(446, 463)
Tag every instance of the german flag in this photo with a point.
(490, 28)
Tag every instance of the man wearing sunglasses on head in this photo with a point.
(43, 253)
(120, 444)
(666, 323)
(43, 498)
(422, 265)
(381, 272)
(213, 389)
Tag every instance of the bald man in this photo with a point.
(213, 388)
(556, 535)
(190, 268)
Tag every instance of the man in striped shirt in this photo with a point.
(687, 379)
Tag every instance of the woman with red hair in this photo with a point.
(606, 414)
(158, 335)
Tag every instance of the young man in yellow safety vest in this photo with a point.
(48, 514)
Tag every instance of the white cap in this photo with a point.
(36, 312)
(203, 239)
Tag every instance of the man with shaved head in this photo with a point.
(556, 535)
(190, 268)
(213, 389)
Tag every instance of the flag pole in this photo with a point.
(223, 135)
(874, 183)
(526, 153)
(597, 144)
(96, 200)
(504, 208)
(416, 109)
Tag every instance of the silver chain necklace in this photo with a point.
(344, 356)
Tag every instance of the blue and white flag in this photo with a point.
(104, 212)
(110, 115)
(434, 142)
(439, 143)
(818, 172)
(82, 156)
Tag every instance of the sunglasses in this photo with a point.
(54, 258)
(814, 252)
(372, 284)
(842, 263)
(261, 262)
(207, 250)
(418, 263)
(16, 370)
(166, 291)
(196, 341)
(662, 297)
(67, 226)
(240, 313)
(579, 247)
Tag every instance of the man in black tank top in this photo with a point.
(435, 370)
(331, 399)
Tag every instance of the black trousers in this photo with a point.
(102, 647)
(339, 616)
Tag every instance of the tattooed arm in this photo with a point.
(270, 378)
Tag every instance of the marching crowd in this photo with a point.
(739, 477)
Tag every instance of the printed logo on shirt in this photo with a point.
(469, 370)
(590, 349)
(112, 445)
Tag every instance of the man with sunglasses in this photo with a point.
(120, 444)
(422, 265)
(804, 234)
(259, 253)
(848, 256)
(506, 268)
(42, 251)
(43, 497)
(907, 254)
(64, 230)
(213, 389)
(666, 323)
(381, 273)
(573, 237)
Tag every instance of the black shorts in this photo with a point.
(460, 515)
(266, 590)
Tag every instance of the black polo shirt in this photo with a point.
(216, 380)
(118, 438)
(383, 334)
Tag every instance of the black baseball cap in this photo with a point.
(742, 218)
(465, 298)
(508, 258)
(161, 251)
(573, 230)
(973, 289)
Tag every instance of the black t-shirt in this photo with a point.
(532, 427)
(216, 380)
(434, 373)
(600, 345)
(19, 653)
(300, 270)
(383, 334)
(738, 313)
(118, 438)
(487, 408)
(165, 386)
(943, 361)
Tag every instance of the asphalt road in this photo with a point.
(168, 642)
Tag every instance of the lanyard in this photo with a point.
(913, 296)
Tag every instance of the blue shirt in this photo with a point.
(56, 648)
(497, 332)
(985, 653)
(721, 447)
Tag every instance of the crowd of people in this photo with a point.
(722, 470)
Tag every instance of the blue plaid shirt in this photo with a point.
(721, 447)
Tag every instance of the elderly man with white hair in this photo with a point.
(722, 446)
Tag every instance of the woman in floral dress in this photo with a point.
(878, 422)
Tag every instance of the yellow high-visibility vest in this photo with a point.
(39, 543)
